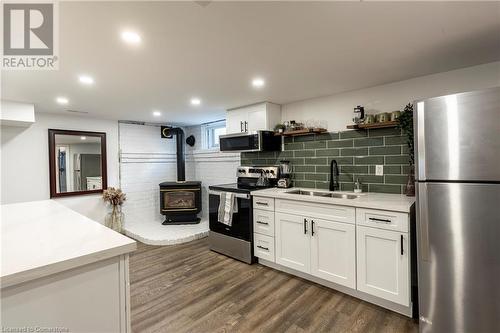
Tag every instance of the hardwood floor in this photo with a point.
(188, 288)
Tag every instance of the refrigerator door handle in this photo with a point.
(423, 218)
(419, 127)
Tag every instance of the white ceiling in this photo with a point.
(212, 51)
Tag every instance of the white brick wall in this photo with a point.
(147, 160)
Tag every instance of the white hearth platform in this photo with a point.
(152, 232)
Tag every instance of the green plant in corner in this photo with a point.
(406, 125)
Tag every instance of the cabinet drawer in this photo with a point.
(263, 203)
(263, 222)
(263, 247)
(382, 219)
(335, 213)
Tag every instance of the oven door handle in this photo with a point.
(237, 195)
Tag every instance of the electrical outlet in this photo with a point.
(379, 170)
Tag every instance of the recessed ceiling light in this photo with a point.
(195, 101)
(83, 138)
(156, 113)
(62, 100)
(258, 83)
(131, 37)
(85, 79)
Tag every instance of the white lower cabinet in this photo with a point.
(333, 251)
(322, 248)
(293, 248)
(263, 247)
(365, 250)
(382, 260)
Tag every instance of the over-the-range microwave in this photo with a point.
(253, 141)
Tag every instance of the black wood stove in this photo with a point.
(180, 201)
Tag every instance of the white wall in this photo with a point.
(16, 114)
(147, 160)
(337, 109)
(25, 164)
(212, 167)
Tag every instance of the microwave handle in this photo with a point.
(237, 195)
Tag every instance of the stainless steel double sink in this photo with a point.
(323, 194)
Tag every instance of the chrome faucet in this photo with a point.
(334, 176)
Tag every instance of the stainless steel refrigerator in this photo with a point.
(457, 147)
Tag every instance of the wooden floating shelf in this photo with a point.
(305, 131)
(374, 125)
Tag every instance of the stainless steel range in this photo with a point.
(236, 240)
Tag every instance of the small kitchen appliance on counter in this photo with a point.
(285, 180)
(359, 114)
(236, 240)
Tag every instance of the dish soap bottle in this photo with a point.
(357, 186)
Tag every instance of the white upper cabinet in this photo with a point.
(333, 252)
(235, 121)
(262, 116)
(383, 269)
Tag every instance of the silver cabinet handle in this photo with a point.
(402, 246)
(260, 222)
(305, 226)
(241, 126)
(379, 220)
(246, 126)
(263, 247)
(262, 203)
(312, 227)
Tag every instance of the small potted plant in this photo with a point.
(279, 128)
(115, 197)
(405, 123)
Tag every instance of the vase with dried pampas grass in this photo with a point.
(115, 197)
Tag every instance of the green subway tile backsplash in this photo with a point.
(305, 153)
(340, 143)
(369, 142)
(328, 152)
(315, 145)
(356, 152)
(353, 134)
(387, 150)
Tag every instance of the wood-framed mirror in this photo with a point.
(77, 162)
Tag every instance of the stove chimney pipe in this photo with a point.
(181, 159)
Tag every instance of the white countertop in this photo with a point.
(40, 238)
(392, 202)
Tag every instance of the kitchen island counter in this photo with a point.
(62, 269)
